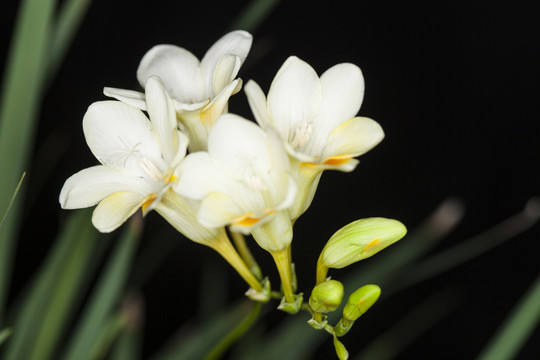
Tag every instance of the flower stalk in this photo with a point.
(224, 247)
(240, 243)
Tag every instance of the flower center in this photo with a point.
(302, 134)
(252, 180)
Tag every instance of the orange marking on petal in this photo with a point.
(337, 161)
(148, 200)
(247, 220)
(171, 179)
(372, 244)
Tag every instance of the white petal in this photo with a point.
(89, 186)
(198, 176)
(226, 71)
(218, 106)
(276, 234)
(353, 138)
(181, 150)
(120, 136)
(234, 43)
(290, 196)
(114, 210)
(294, 96)
(218, 210)
(130, 97)
(181, 213)
(342, 94)
(240, 147)
(177, 68)
(163, 117)
(257, 102)
(182, 107)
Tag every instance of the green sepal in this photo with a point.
(261, 296)
(291, 308)
(316, 324)
(343, 327)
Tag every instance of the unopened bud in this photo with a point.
(360, 240)
(358, 303)
(326, 296)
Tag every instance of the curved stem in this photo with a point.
(224, 247)
(245, 253)
(322, 272)
(235, 334)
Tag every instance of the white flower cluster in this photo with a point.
(204, 169)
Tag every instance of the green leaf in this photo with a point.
(21, 95)
(68, 21)
(473, 247)
(4, 335)
(46, 306)
(15, 192)
(517, 328)
(198, 341)
(253, 15)
(227, 341)
(129, 342)
(105, 297)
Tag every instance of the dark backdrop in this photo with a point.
(454, 84)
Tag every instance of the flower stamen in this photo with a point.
(302, 134)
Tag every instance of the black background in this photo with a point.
(455, 86)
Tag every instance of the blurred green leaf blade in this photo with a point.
(22, 90)
(105, 296)
(46, 306)
(517, 328)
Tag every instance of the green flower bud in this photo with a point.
(357, 304)
(360, 240)
(360, 301)
(326, 296)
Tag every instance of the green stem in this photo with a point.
(322, 272)
(217, 351)
(245, 253)
(318, 317)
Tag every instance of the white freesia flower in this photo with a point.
(139, 158)
(200, 89)
(242, 181)
(316, 120)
